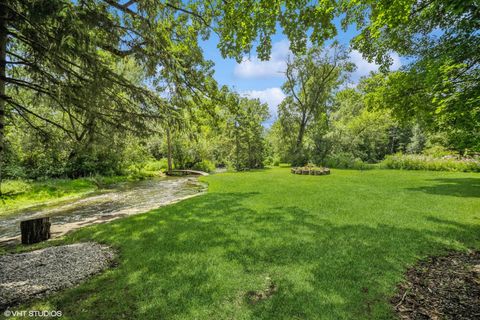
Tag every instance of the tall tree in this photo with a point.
(310, 83)
(246, 131)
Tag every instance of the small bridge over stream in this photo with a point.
(186, 173)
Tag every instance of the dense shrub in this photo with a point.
(204, 165)
(157, 165)
(345, 160)
(15, 187)
(272, 161)
(299, 158)
(438, 152)
(98, 161)
(426, 162)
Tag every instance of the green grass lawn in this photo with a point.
(335, 246)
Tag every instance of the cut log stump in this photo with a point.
(35, 230)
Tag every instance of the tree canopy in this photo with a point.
(94, 72)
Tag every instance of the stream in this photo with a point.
(117, 201)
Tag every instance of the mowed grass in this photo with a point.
(334, 246)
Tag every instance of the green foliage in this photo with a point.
(344, 160)
(348, 135)
(404, 94)
(156, 165)
(20, 194)
(76, 83)
(310, 82)
(75, 73)
(440, 85)
(272, 160)
(438, 151)
(354, 129)
(246, 132)
(418, 140)
(204, 165)
(424, 162)
(278, 142)
(276, 162)
(54, 155)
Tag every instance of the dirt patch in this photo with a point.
(443, 287)
(257, 296)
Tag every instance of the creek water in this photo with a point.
(117, 201)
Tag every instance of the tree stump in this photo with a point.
(35, 230)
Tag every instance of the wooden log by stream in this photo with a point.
(35, 230)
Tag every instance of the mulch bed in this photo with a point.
(443, 287)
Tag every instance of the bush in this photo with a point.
(14, 171)
(15, 187)
(426, 162)
(439, 152)
(299, 158)
(204, 165)
(272, 161)
(156, 165)
(345, 160)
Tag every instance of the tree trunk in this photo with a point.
(169, 151)
(298, 145)
(301, 132)
(3, 55)
(237, 148)
(35, 230)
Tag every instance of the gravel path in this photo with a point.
(35, 274)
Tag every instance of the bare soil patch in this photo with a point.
(265, 293)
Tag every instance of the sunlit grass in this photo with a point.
(335, 246)
(19, 194)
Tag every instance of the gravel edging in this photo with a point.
(41, 272)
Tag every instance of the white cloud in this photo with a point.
(275, 67)
(364, 67)
(271, 96)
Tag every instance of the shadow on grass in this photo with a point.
(458, 187)
(199, 258)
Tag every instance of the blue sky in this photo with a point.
(263, 79)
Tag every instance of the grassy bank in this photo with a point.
(334, 247)
(21, 194)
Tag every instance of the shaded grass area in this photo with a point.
(334, 247)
